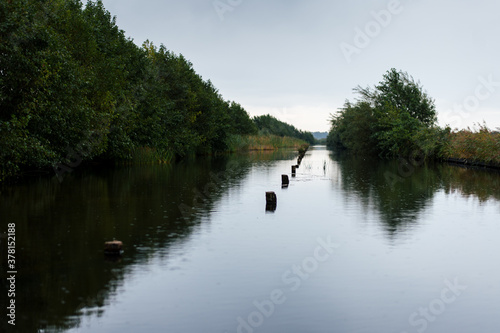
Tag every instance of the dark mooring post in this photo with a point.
(113, 248)
(271, 201)
(285, 181)
(271, 198)
(302, 153)
(294, 170)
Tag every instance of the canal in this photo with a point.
(354, 245)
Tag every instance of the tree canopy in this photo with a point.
(393, 119)
(268, 124)
(72, 84)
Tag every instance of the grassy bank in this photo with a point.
(481, 146)
(263, 142)
(236, 143)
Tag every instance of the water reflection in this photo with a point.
(400, 193)
(61, 228)
(64, 277)
(478, 183)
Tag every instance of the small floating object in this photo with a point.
(113, 248)
(285, 181)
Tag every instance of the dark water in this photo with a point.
(354, 246)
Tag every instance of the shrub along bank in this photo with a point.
(397, 119)
(480, 147)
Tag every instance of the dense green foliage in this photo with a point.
(73, 88)
(396, 118)
(268, 124)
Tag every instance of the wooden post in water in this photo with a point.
(302, 153)
(271, 198)
(294, 170)
(285, 181)
(271, 201)
(113, 248)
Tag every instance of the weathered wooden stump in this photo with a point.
(113, 248)
(285, 180)
(271, 201)
(271, 207)
(271, 198)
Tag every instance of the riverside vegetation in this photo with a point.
(397, 119)
(74, 89)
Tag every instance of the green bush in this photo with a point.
(394, 119)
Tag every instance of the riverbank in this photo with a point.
(148, 155)
(235, 143)
(480, 148)
(263, 142)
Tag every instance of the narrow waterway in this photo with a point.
(354, 245)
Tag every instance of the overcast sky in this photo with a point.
(300, 59)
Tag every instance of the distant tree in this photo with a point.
(268, 124)
(352, 129)
(241, 123)
(399, 91)
(389, 119)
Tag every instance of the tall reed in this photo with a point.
(479, 145)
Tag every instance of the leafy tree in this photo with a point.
(213, 122)
(241, 123)
(168, 103)
(268, 124)
(399, 91)
(388, 119)
(352, 129)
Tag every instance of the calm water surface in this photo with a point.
(354, 246)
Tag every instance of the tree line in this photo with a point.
(268, 124)
(70, 80)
